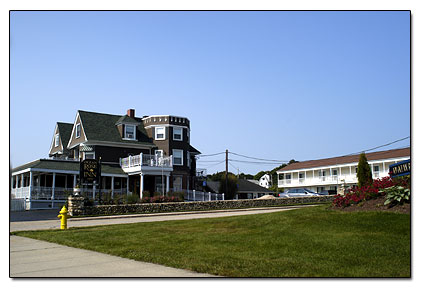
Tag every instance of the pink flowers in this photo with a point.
(356, 195)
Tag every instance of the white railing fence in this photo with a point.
(146, 160)
(17, 204)
(203, 196)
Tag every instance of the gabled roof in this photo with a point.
(193, 150)
(102, 127)
(381, 155)
(127, 119)
(245, 186)
(65, 130)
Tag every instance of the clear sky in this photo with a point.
(270, 85)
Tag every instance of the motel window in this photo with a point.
(288, 176)
(78, 130)
(335, 172)
(178, 157)
(177, 133)
(130, 132)
(160, 133)
(56, 140)
(301, 175)
(281, 176)
(376, 168)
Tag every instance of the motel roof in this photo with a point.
(381, 155)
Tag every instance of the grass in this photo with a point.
(308, 242)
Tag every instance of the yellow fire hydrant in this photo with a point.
(63, 215)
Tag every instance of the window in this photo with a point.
(56, 140)
(177, 133)
(159, 153)
(178, 157)
(78, 130)
(188, 160)
(301, 175)
(160, 133)
(89, 156)
(129, 132)
(335, 172)
(376, 168)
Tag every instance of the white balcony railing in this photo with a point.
(322, 180)
(146, 160)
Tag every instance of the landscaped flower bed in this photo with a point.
(376, 190)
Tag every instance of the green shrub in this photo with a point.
(396, 195)
(132, 199)
(364, 173)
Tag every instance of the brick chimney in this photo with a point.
(131, 113)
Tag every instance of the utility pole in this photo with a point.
(226, 176)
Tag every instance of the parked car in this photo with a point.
(327, 192)
(297, 193)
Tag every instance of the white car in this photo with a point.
(291, 193)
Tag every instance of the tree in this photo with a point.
(364, 174)
(232, 186)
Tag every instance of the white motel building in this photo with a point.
(338, 172)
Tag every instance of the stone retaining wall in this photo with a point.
(76, 205)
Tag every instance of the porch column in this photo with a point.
(52, 190)
(167, 183)
(74, 181)
(383, 167)
(113, 185)
(30, 188)
(17, 181)
(141, 184)
(127, 186)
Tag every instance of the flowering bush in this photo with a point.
(160, 199)
(358, 194)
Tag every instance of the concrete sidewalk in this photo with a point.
(34, 258)
(140, 218)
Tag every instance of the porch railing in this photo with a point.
(146, 160)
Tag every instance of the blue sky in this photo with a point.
(271, 85)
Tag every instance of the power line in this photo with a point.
(208, 161)
(215, 164)
(210, 155)
(252, 162)
(380, 146)
(279, 161)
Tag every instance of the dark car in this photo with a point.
(326, 192)
(297, 193)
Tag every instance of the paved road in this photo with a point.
(126, 219)
(33, 258)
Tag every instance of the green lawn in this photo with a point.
(306, 242)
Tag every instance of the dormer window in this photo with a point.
(78, 130)
(130, 132)
(56, 140)
(177, 133)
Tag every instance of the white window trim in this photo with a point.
(76, 130)
(164, 133)
(56, 140)
(182, 157)
(182, 133)
(135, 132)
(89, 153)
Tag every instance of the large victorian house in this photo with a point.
(138, 156)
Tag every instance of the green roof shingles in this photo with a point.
(65, 130)
(102, 127)
(62, 165)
